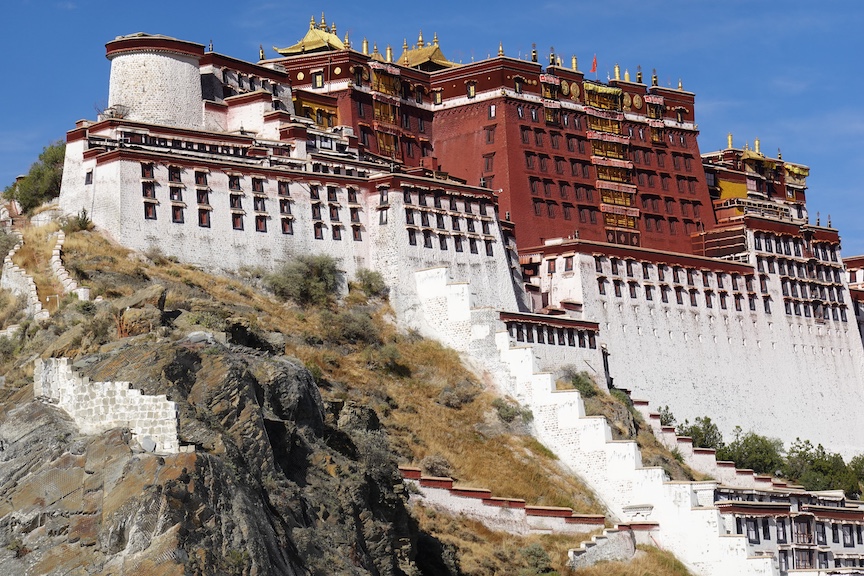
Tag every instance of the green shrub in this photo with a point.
(666, 416)
(42, 182)
(436, 465)
(507, 412)
(581, 381)
(703, 431)
(307, 280)
(80, 221)
(350, 327)
(371, 283)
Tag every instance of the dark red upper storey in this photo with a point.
(616, 162)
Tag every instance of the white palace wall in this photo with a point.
(749, 368)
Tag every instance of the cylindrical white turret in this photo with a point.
(155, 79)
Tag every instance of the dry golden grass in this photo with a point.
(484, 552)
(649, 561)
(35, 257)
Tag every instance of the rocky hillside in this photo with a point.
(298, 417)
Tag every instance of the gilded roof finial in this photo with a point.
(574, 63)
(626, 75)
(639, 73)
(680, 84)
(747, 145)
(347, 42)
(534, 52)
(375, 48)
(405, 45)
(435, 39)
(312, 22)
(420, 39)
(551, 55)
(500, 48)
(654, 77)
(389, 56)
(323, 25)
(757, 145)
(365, 46)
(617, 72)
(558, 61)
(260, 52)
(333, 28)
(729, 140)
(779, 154)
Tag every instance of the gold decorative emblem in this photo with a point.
(365, 74)
(574, 91)
(565, 88)
(300, 75)
(337, 70)
(627, 100)
(637, 101)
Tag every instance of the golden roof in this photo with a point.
(319, 38)
(425, 57)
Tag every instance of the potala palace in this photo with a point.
(532, 219)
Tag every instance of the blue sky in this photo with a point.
(787, 72)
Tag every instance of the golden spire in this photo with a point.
(534, 52)
(389, 57)
(420, 39)
(757, 145)
(626, 75)
(323, 25)
(680, 84)
(347, 42)
(312, 23)
(260, 52)
(654, 77)
(551, 55)
(574, 63)
(729, 140)
(559, 61)
(747, 145)
(405, 45)
(500, 48)
(333, 28)
(375, 48)
(639, 73)
(617, 72)
(365, 46)
(435, 39)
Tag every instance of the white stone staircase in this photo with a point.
(678, 516)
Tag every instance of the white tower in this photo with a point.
(155, 79)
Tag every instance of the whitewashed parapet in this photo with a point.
(17, 281)
(704, 460)
(510, 515)
(100, 406)
(69, 284)
(614, 544)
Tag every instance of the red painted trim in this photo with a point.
(545, 320)
(76, 135)
(708, 451)
(157, 43)
(211, 58)
(639, 526)
(646, 254)
(504, 502)
(249, 97)
(479, 493)
(549, 511)
(410, 472)
(594, 519)
(434, 482)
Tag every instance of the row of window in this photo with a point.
(444, 242)
(786, 245)
(759, 529)
(794, 269)
(629, 267)
(529, 332)
(210, 148)
(440, 219)
(692, 295)
(261, 222)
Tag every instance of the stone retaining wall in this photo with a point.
(20, 283)
(509, 515)
(100, 406)
(69, 284)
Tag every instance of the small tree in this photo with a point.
(42, 182)
(666, 417)
(307, 280)
(759, 453)
(703, 431)
(371, 283)
(818, 469)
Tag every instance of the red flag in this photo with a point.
(594, 64)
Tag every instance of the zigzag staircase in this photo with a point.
(677, 516)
